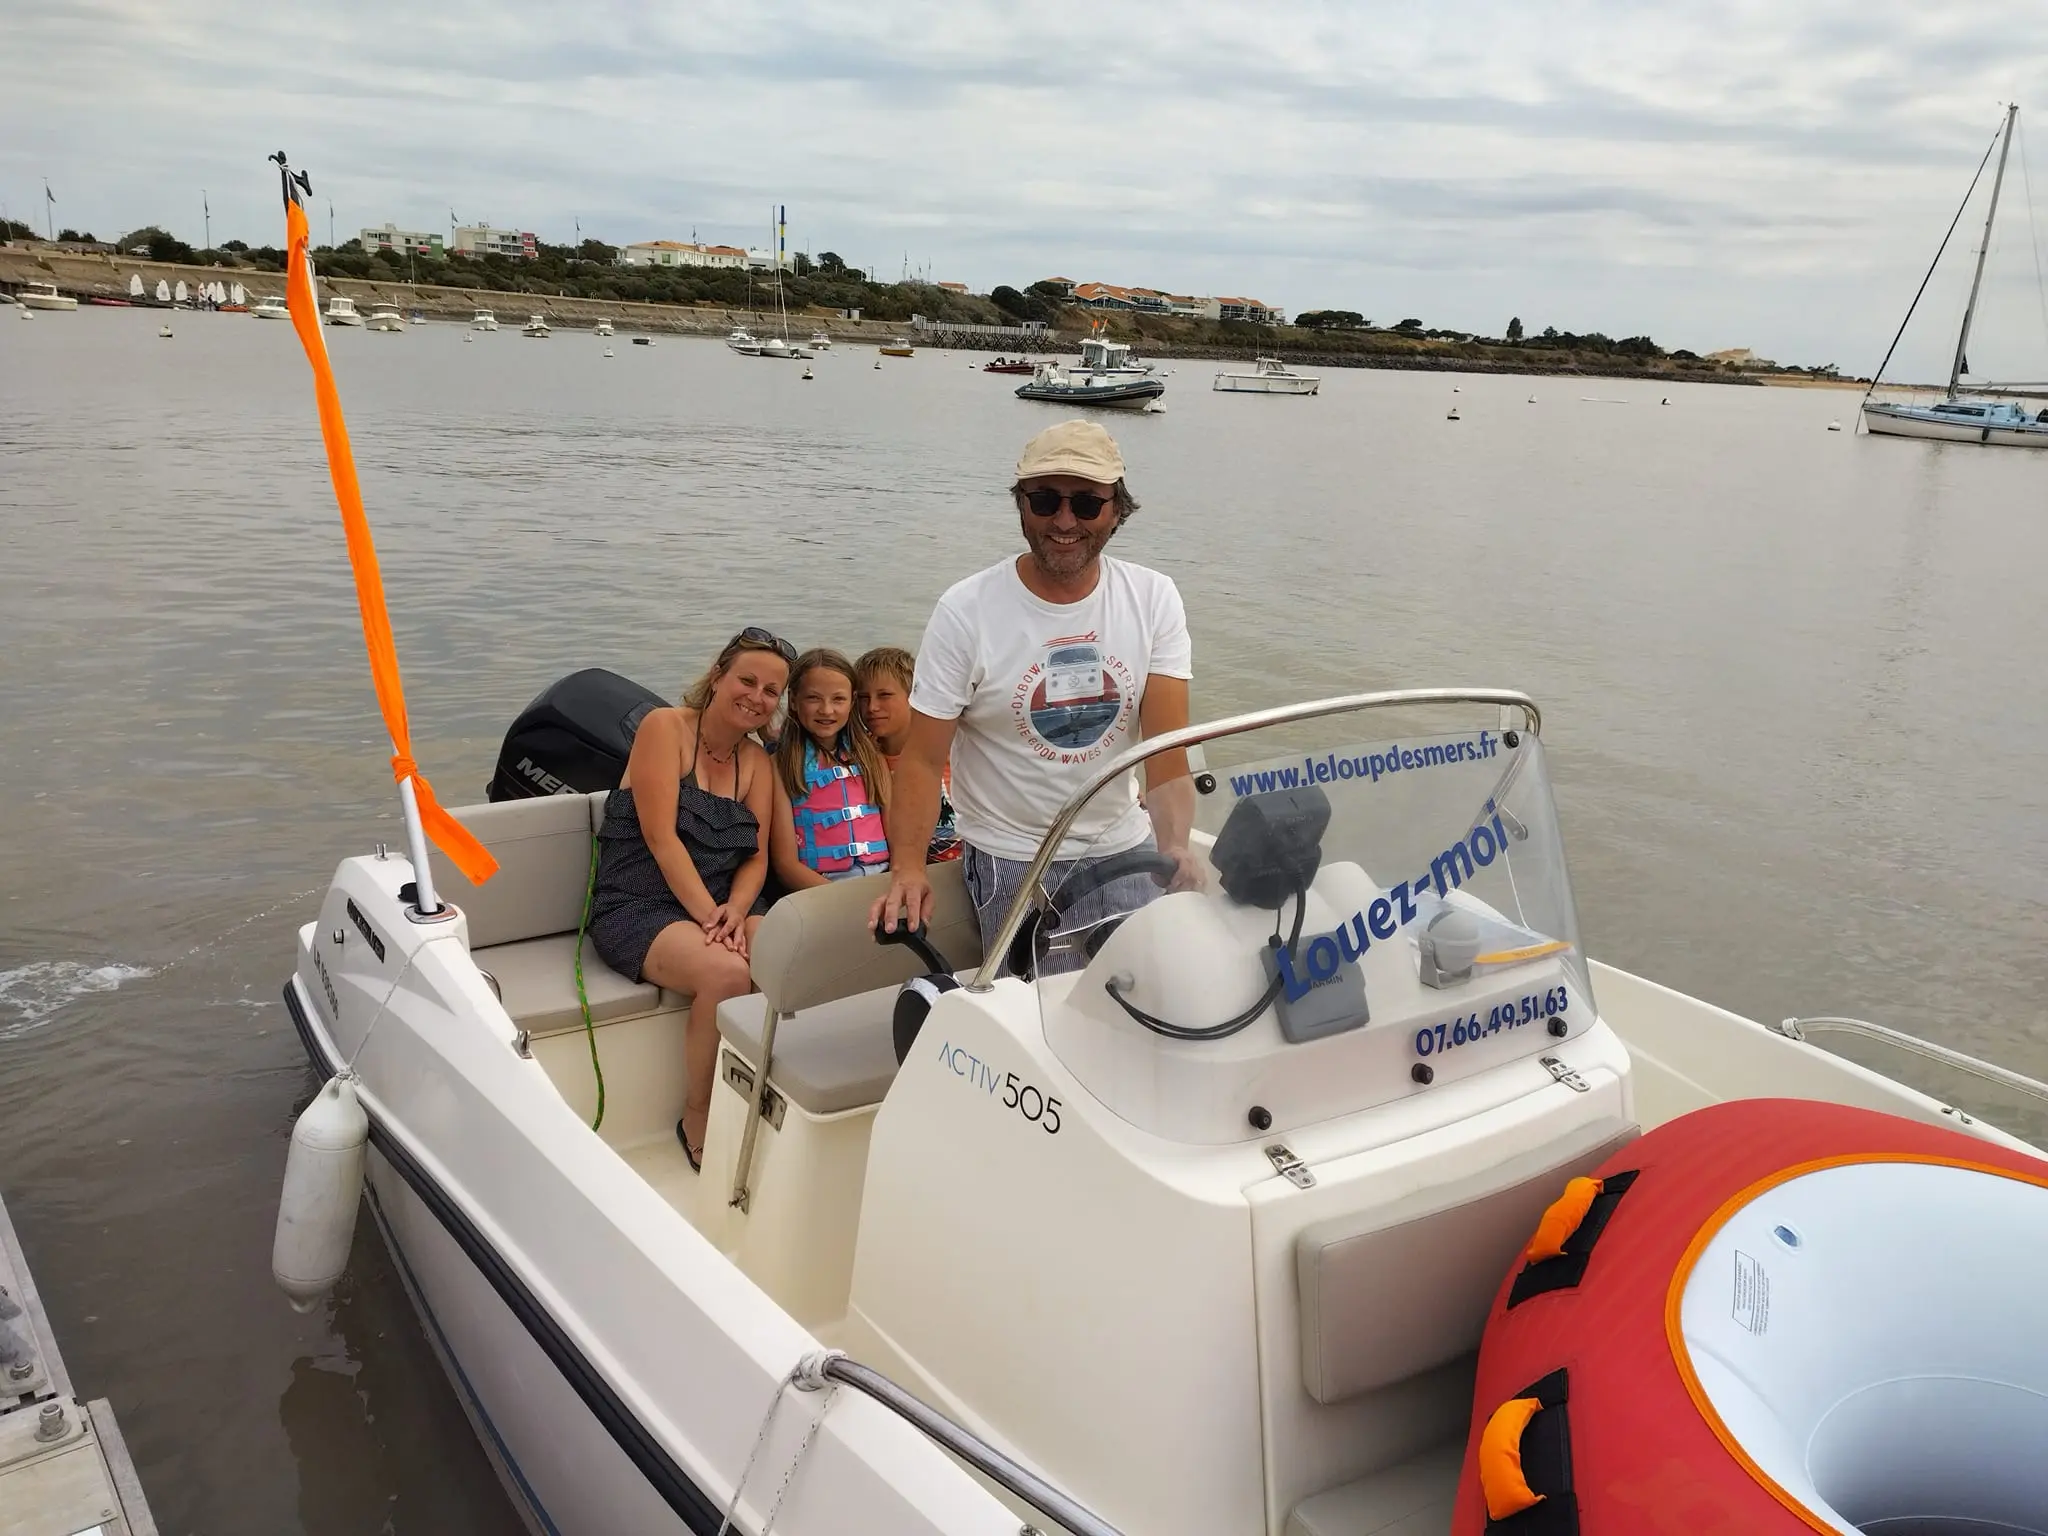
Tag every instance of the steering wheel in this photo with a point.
(1028, 947)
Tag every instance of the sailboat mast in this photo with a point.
(1983, 250)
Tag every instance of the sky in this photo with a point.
(1768, 175)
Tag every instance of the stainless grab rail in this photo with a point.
(969, 1447)
(1796, 1029)
(1193, 735)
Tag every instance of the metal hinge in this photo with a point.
(1564, 1074)
(1290, 1167)
(740, 1078)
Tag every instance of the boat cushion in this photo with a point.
(814, 946)
(1413, 1498)
(837, 1056)
(1389, 1293)
(537, 983)
(542, 847)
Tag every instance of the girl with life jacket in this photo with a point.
(831, 781)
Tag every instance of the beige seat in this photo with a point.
(523, 921)
(813, 960)
(1414, 1498)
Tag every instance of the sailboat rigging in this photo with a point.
(1957, 417)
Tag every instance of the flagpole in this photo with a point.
(207, 212)
(49, 218)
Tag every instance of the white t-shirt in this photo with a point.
(1043, 693)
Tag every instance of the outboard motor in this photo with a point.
(574, 737)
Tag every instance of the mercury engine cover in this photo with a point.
(574, 737)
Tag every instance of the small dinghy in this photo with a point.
(1124, 392)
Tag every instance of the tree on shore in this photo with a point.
(1515, 329)
(160, 244)
(1410, 324)
(1331, 320)
(831, 264)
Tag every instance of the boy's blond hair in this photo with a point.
(891, 659)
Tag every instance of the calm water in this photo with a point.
(1793, 683)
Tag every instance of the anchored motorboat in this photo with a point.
(43, 296)
(1122, 391)
(821, 341)
(742, 341)
(386, 317)
(1269, 376)
(603, 328)
(341, 310)
(1114, 358)
(1186, 1213)
(536, 325)
(897, 348)
(1011, 365)
(483, 320)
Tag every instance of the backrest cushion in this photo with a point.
(1392, 1292)
(542, 847)
(814, 946)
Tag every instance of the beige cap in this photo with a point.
(1073, 448)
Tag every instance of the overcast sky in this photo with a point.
(1765, 174)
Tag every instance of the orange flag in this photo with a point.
(448, 834)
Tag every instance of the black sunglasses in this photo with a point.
(1087, 505)
(754, 635)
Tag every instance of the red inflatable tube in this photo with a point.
(1620, 1439)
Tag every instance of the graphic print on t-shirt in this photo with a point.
(1073, 696)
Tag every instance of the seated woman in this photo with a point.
(684, 849)
(831, 786)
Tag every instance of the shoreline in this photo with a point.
(86, 276)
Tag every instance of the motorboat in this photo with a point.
(1123, 391)
(821, 341)
(1170, 1211)
(742, 341)
(1269, 376)
(1011, 365)
(536, 325)
(1986, 415)
(1111, 357)
(43, 296)
(386, 317)
(483, 320)
(898, 348)
(418, 317)
(643, 341)
(602, 328)
(341, 310)
(270, 306)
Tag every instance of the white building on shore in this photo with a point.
(681, 253)
(483, 240)
(405, 241)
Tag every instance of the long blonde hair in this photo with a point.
(855, 741)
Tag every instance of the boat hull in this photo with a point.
(45, 301)
(1263, 384)
(1906, 421)
(1134, 395)
(385, 323)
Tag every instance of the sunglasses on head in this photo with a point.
(767, 640)
(1086, 505)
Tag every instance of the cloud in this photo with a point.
(1708, 173)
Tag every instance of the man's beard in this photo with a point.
(1064, 561)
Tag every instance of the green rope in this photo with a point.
(583, 997)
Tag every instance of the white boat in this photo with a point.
(777, 347)
(1269, 376)
(43, 296)
(604, 328)
(536, 325)
(270, 306)
(742, 341)
(1958, 417)
(341, 310)
(1195, 1232)
(1125, 391)
(418, 317)
(483, 320)
(821, 341)
(386, 317)
(1113, 358)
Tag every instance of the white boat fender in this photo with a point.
(1834, 426)
(323, 1189)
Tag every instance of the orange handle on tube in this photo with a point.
(448, 834)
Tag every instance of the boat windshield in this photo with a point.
(1380, 879)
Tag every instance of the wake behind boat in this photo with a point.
(1119, 391)
(1989, 415)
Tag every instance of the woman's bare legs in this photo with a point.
(683, 960)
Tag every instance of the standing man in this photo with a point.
(1031, 674)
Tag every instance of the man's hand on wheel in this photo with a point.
(1190, 876)
(909, 901)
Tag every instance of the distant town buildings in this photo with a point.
(1740, 357)
(406, 241)
(680, 253)
(483, 240)
(1152, 301)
